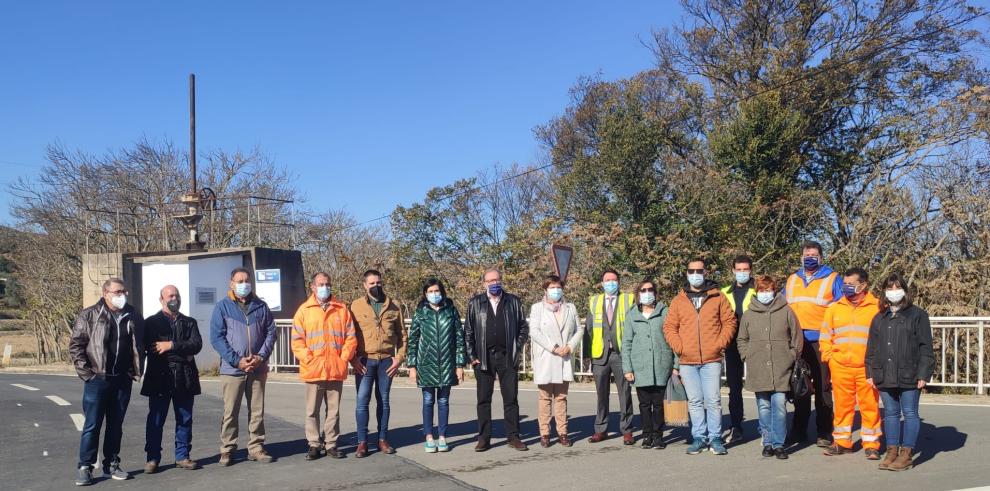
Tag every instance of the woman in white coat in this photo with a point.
(556, 332)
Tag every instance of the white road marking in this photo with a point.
(25, 387)
(36, 425)
(58, 400)
(78, 419)
(44, 453)
(19, 405)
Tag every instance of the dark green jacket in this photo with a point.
(645, 352)
(436, 344)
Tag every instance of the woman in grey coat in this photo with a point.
(769, 342)
(647, 360)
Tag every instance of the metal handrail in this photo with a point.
(960, 352)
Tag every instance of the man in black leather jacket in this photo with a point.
(172, 341)
(496, 331)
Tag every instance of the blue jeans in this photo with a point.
(773, 417)
(439, 395)
(182, 406)
(897, 403)
(375, 377)
(703, 386)
(104, 397)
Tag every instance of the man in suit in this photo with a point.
(603, 332)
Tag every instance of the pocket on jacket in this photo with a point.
(312, 370)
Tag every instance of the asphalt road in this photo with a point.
(40, 443)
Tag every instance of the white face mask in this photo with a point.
(765, 297)
(118, 301)
(895, 296)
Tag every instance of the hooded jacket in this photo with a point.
(700, 336)
(769, 340)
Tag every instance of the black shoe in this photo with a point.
(735, 435)
(793, 439)
(658, 442)
(767, 451)
(647, 441)
(780, 453)
(85, 476)
(313, 453)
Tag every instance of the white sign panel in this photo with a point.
(268, 287)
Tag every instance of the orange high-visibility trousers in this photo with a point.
(849, 387)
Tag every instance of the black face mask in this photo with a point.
(378, 293)
(173, 306)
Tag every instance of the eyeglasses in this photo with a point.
(696, 271)
(648, 290)
(117, 292)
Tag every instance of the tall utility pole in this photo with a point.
(192, 199)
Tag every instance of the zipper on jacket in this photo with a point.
(248, 323)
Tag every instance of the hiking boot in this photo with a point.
(224, 459)
(150, 467)
(187, 464)
(545, 441)
(260, 456)
(903, 461)
(717, 447)
(115, 472)
(780, 453)
(334, 453)
(872, 454)
(836, 449)
(767, 451)
(888, 458)
(313, 453)
(697, 446)
(85, 476)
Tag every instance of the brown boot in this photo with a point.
(903, 461)
(362, 450)
(888, 458)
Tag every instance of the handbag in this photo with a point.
(675, 406)
(801, 385)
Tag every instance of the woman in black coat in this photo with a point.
(899, 362)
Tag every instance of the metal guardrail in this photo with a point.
(960, 352)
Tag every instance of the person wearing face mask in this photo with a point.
(809, 291)
(740, 293)
(324, 342)
(648, 361)
(699, 326)
(436, 357)
(105, 347)
(556, 333)
(171, 342)
(381, 350)
(845, 331)
(603, 341)
(899, 362)
(242, 331)
(770, 342)
(496, 330)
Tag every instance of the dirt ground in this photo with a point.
(23, 346)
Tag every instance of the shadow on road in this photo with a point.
(937, 439)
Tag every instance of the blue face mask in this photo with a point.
(495, 290)
(610, 287)
(647, 298)
(323, 293)
(555, 294)
(811, 263)
(434, 297)
(742, 277)
(695, 279)
(242, 289)
(765, 297)
(849, 291)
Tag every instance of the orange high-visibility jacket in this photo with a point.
(845, 329)
(810, 301)
(323, 340)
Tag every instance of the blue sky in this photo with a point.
(370, 104)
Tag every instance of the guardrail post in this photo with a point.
(981, 359)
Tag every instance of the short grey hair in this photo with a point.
(490, 270)
(110, 281)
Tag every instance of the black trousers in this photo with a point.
(734, 379)
(822, 381)
(651, 409)
(499, 366)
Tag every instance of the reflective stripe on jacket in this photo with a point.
(846, 329)
(323, 340)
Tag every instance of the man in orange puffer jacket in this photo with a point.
(323, 341)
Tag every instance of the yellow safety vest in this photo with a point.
(596, 308)
(750, 293)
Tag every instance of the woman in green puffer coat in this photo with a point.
(436, 357)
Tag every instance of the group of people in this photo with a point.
(857, 347)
